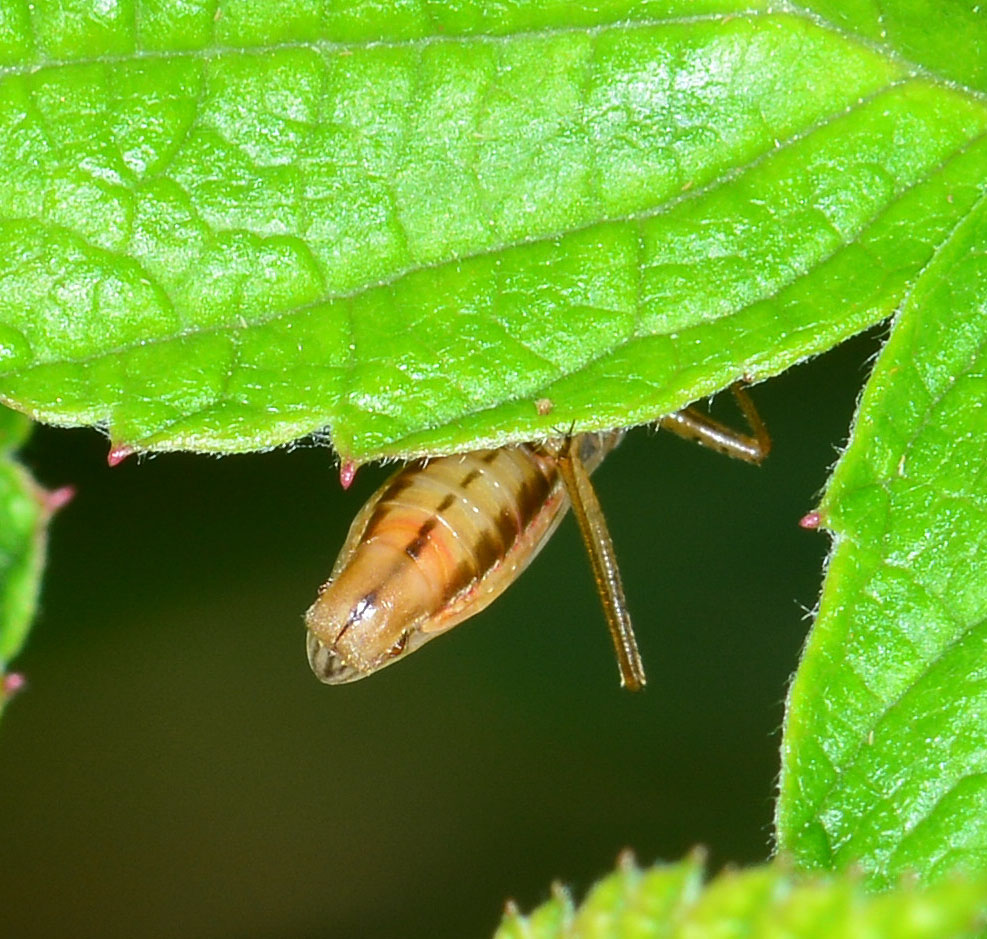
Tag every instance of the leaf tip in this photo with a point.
(347, 473)
(10, 684)
(119, 453)
(52, 500)
(627, 861)
(698, 856)
(560, 892)
(810, 521)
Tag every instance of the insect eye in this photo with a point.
(327, 665)
(399, 646)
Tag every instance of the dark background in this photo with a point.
(175, 769)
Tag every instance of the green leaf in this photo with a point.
(405, 224)
(885, 758)
(948, 37)
(670, 900)
(24, 513)
(14, 430)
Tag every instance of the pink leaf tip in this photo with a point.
(11, 683)
(118, 454)
(347, 473)
(810, 521)
(55, 499)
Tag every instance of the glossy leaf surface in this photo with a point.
(404, 225)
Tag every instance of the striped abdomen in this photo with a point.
(434, 545)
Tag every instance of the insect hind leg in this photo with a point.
(693, 424)
(596, 536)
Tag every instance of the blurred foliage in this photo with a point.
(767, 902)
(23, 518)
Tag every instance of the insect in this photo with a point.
(443, 538)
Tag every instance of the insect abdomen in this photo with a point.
(434, 545)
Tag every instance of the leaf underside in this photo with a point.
(671, 901)
(227, 229)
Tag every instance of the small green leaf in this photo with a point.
(885, 756)
(14, 430)
(403, 225)
(670, 901)
(23, 518)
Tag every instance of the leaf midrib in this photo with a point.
(328, 46)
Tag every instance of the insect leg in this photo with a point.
(695, 425)
(593, 527)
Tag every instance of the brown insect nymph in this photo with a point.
(442, 538)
